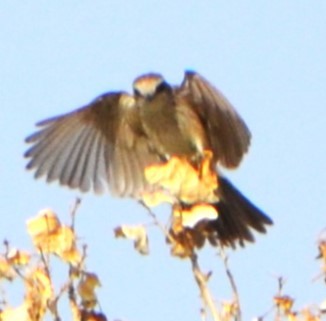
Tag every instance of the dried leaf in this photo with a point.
(45, 222)
(65, 245)
(6, 270)
(15, 314)
(17, 257)
(136, 233)
(181, 250)
(72, 256)
(230, 310)
(292, 316)
(190, 217)
(92, 316)
(86, 289)
(180, 179)
(185, 240)
(322, 253)
(310, 316)
(285, 303)
(38, 293)
(189, 228)
(322, 307)
(39, 283)
(49, 236)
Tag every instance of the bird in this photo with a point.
(109, 143)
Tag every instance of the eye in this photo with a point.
(162, 86)
(137, 92)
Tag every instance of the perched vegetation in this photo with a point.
(52, 238)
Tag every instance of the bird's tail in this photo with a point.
(237, 216)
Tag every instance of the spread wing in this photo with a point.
(93, 147)
(228, 135)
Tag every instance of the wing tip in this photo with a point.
(190, 72)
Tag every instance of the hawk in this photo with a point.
(112, 140)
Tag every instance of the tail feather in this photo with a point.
(237, 216)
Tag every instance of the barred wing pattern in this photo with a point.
(228, 135)
(97, 146)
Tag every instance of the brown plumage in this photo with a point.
(109, 142)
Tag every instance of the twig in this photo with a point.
(229, 274)
(76, 313)
(280, 281)
(203, 314)
(201, 280)
(46, 262)
(73, 212)
(52, 305)
(158, 223)
(200, 277)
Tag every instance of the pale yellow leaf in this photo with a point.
(46, 243)
(66, 245)
(72, 256)
(322, 307)
(6, 270)
(284, 302)
(65, 238)
(230, 310)
(39, 281)
(45, 222)
(60, 241)
(17, 257)
(136, 233)
(292, 316)
(309, 315)
(322, 250)
(178, 178)
(15, 314)
(190, 217)
(38, 293)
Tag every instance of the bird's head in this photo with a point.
(146, 86)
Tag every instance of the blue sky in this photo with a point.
(268, 58)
